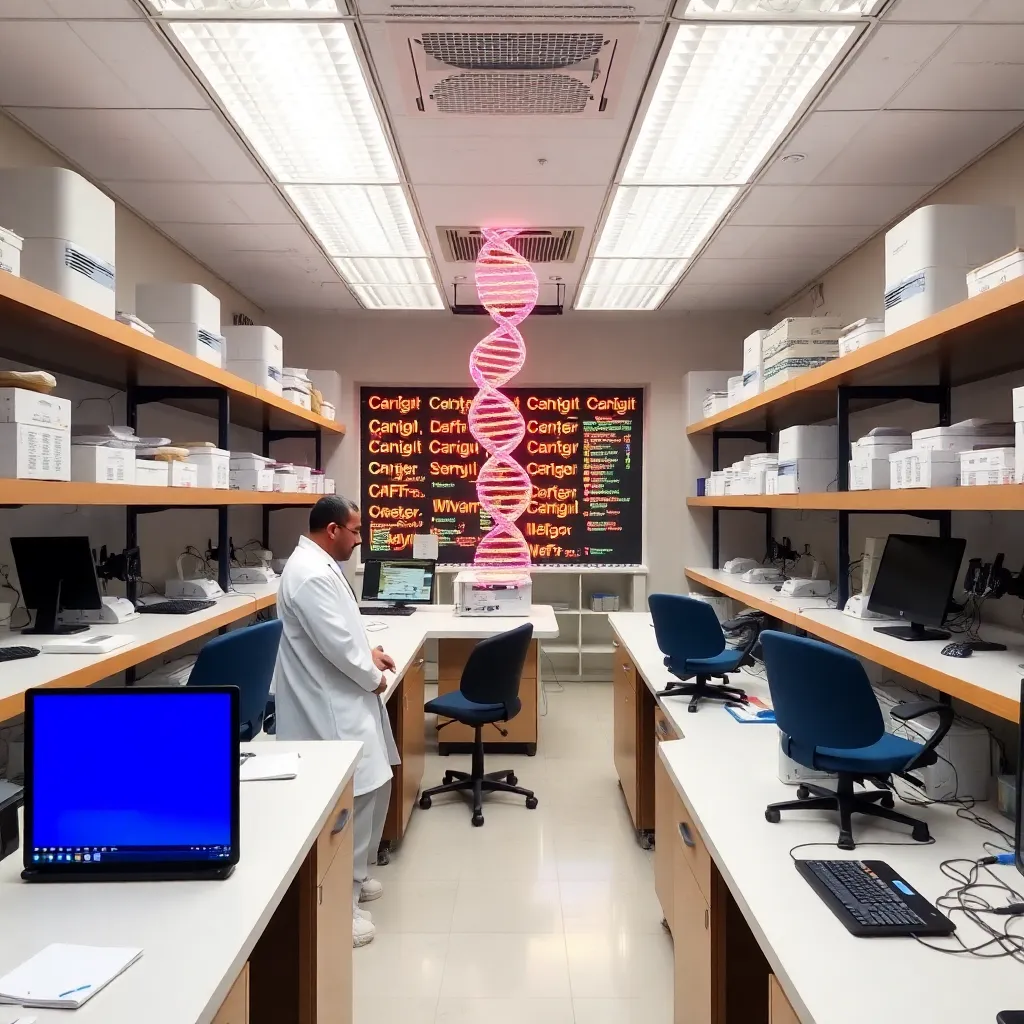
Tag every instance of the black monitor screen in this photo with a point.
(401, 580)
(916, 577)
(47, 565)
(103, 790)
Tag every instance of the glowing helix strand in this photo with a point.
(507, 287)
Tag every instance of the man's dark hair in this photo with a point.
(331, 508)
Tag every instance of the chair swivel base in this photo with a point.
(704, 690)
(492, 782)
(875, 802)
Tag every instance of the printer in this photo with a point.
(493, 592)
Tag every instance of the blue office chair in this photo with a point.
(488, 693)
(690, 637)
(830, 721)
(244, 658)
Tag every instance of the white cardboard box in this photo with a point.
(995, 273)
(329, 487)
(95, 464)
(1018, 404)
(150, 473)
(194, 339)
(924, 467)
(19, 405)
(296, 397)
(880, 447)
(698, 387)
(752, 350)
(870, 475)
(803, 328)
(861, 333)
(771, 481)
(10, 251)
(790, 369)
(252, 479)
(182, 474)
(716, 402)
(985, 477)
(249, 461)
(259, 371)
(963, 436)
(988, 458)
(813, 441)
(327, 410)
(213, 467)
(252, 344)
(735, 388)
(806, 476)
(286, 483)
(28, 452)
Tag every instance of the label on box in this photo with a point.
(28, 452)
(19, 405)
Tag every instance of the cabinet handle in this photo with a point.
(687, 836)
(319, 895)
(707, 919)
(663, 727)
(416, 664)
(615, 643)
(339, 825)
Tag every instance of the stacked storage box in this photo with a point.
(296, 387)
(992, 275)
(101, 464)
(735, 389)
(869, 461)
(1018, 425)
(861, 333)
(250, 472)
(753, 369)
(797, 345)
(934, 458)
(10, 251)
(699, 386)
(256, 354)
(807, 459)
(35, 435)
(186, 316)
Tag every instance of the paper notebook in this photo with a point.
(269, 767)
(63, 977)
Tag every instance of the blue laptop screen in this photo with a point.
(132, 776)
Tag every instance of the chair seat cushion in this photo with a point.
(455, 705)
(724, 662)
(889, 754)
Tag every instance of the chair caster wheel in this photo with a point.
(887, 802)
(846, 841)
(921, 834)
(692, 708)
(803, 793)
(383, 858)
(478, 820)
(425, 802)
(531, 802)
(772, 815)
(511, 779)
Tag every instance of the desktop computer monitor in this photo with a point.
(399, 581)
(106, 796)
(915, 582)
(56, 573)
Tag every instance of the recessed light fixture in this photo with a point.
(780, 10)
(794, 158)
(246, 8)
(297, 92)
(726, 95)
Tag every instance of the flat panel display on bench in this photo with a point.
(583, 450)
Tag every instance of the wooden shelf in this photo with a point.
(1003, 498)
(45, 330)
(974, 339)
(55, 492)
(857, 637)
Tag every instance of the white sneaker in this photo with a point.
(362, 932)
(363, 915)
(371, 890)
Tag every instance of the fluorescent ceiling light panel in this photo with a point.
(297, 93)
(391, 283)
(247, 8)
(628, 284)
(781, 9)
(653, 221)
(726, 95)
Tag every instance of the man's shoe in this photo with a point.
(363, 915)
(362, 932)
(371, 890)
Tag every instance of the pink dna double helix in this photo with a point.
(507, 287)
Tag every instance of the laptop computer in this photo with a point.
(136, 784)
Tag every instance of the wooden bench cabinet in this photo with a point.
(405, 710)
(633, 741)
(235, 1008)
(667, 810)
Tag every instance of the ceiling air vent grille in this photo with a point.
(511, 94)
(537, 245)
(512, 51)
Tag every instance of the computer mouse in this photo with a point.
(957, 651)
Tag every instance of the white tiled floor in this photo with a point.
(546, 916)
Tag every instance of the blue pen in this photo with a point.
(72, 991)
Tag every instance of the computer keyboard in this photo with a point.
(871, 899)
(386, 609)
(16, 653)
(179, 606)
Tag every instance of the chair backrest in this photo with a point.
(494, 667)
(685, 628)
(244, 658)
(821, 693)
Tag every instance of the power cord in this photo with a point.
(6, 584)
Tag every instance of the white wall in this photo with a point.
(646, 350)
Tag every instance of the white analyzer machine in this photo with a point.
(493, 592)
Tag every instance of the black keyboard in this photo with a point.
(871, 899)
(386, 609)
(17, 653)
(181, 606)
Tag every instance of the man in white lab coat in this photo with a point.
(328, 680)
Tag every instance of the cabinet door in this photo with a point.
(413, 736)
(235, 1008)
(666, 817)
(334, 941)
(780, 1010)
(692, 938)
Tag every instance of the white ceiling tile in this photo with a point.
(203, 203)
(822, 244)
(889, 59)
(1008, 11)
(144, 145)
(520, 206)
(722, 297)
(148, 75)
(757, 272)
(68, 9)
(210, 241)
(821, 138)
(980, 68)
(869, 206)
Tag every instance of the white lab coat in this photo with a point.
(325, 677)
